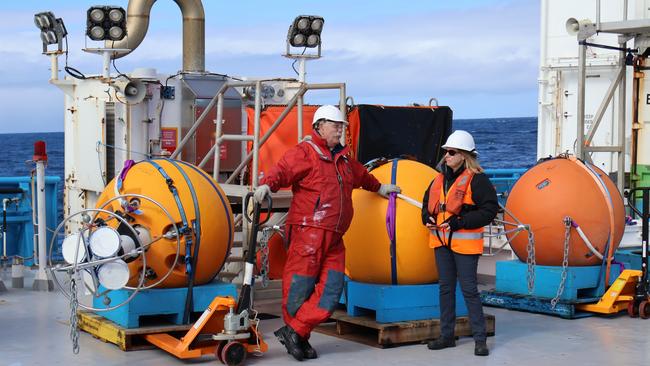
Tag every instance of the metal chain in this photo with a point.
(267, 232)
(565, 261)
(530, 260)
(74, 324)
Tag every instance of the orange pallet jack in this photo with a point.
(630, 291)
(225, 328)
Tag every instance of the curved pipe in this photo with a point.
(137, 24)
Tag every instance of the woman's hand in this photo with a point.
(431, 225)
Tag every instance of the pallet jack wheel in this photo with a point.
(218, 349)
(644, 309)
(632, 309)
(233, 354)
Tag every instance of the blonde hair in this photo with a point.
(470, 162)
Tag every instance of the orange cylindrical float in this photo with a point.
(211, 213)
(367, 244)
(559, 188)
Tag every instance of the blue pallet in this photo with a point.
(629, 257)
(399, 302)
(166, 303)
(535, 304)
(581, 282)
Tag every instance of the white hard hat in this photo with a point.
(460, 140)
(330, 113)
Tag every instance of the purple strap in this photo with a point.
(390, 215)
(127, 165)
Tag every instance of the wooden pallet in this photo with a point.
(366, 330)
(125, 338)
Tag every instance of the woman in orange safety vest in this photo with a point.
(457, 205)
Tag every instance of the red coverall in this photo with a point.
(320, 213)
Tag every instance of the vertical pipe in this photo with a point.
(344, 110)
(542, 124)
(137, 24)
(41, 280)
(42, 225)
(301, 78)
(256, 133)
(217, 138)
(620, 178)
(300, 118)
(54, 64)
(301, 69)
(32, 186)
(597, 15)
(580, 128)
(4, 227)
(106, 68)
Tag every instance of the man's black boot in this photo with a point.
(441, 343)
(308, 350)
(481, 349)
(291, 340)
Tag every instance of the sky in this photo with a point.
(480, 57)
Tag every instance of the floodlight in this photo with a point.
(305, 31)
(313, 40)
(52, 29)
(106, 23)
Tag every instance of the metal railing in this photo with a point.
(255, 138)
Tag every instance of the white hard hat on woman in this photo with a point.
(461, 140)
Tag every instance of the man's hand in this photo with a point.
(386, 189)
(261, 192)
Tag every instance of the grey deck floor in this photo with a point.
(34, 331)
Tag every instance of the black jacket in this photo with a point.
(471, 216)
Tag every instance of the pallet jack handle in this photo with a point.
(642, 289)
(245, 298)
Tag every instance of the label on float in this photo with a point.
(543, 184)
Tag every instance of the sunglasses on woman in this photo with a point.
(451, 152)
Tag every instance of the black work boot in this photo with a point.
(481, 349)
(287, 336)
(441, 343)
(308, 350)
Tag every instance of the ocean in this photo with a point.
(501, 143)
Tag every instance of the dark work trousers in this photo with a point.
(452, 266)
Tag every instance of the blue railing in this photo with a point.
(503, 180)
(16, 194)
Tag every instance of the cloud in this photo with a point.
(471, 59)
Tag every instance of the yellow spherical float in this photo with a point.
(562, 188)
(367, 244)
(205, 212)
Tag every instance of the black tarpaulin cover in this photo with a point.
(391, 132)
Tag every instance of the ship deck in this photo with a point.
(34, 330)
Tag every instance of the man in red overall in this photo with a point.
(321, 175)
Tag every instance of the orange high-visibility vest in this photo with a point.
(443, 205)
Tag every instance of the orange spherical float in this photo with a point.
(561, 188)
(206, 211)
(367, 244)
